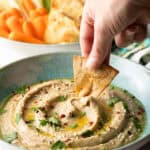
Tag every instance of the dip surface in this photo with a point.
(50, 115)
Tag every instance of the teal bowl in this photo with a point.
(132, 77)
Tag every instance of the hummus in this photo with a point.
(50, 115)
(80, 114)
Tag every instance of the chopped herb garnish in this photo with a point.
(138, 103)
(21, 90)
(38, 130)
(129, 94)
(82, 114)
(35, 109)
(112, 101)
(47, 4)
(54, 121)
(43, 122)
(18, 117)
(87, 133)
(59, 145)
(100, 125)
(56, 115)
(62, 98)
(126, 107)
(73, 126)
(112, 87)
(2, 111)
(10, 137)
(104, 117)
(29, 121)
(73, 114)
(137, 123)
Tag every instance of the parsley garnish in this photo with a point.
(137, 123)
(112, 87)
(82, 114)
(56, 115)
(43, 122)
(36, 109)
(59, 145)
(62, 98)
(29, 122)
(73, 126)
(53, 121)
(126, 107)
(2, 111)
(21, 90)
(73, 114)
(10, 137)
(112, 101)
(87, 133)
(38, 130)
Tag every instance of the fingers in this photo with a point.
(107, 58)
(101, 46)
(133, 33)
(86, 35)
(95, 44)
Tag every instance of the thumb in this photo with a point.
(101, 46)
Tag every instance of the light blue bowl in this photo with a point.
(132, 77)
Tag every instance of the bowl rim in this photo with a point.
(69, 52)
(36, 44)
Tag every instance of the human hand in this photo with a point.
(125, 21)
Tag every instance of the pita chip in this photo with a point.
(91, 82)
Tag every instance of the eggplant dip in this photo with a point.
(64, 114)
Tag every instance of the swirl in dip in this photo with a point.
(50, 114)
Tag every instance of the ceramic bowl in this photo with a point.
(132, 77)
(14, 50)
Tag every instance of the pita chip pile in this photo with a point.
(91, 82)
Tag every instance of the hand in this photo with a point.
(105, 20)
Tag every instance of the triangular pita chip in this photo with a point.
(91, 82)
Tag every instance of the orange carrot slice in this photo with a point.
(14, 24)
(39, 24)
(3, 17)
(28, 5)
(14, 12)
(24, 38)
(41, 11)
(38, 12)
(4, 33)
(28, 29)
